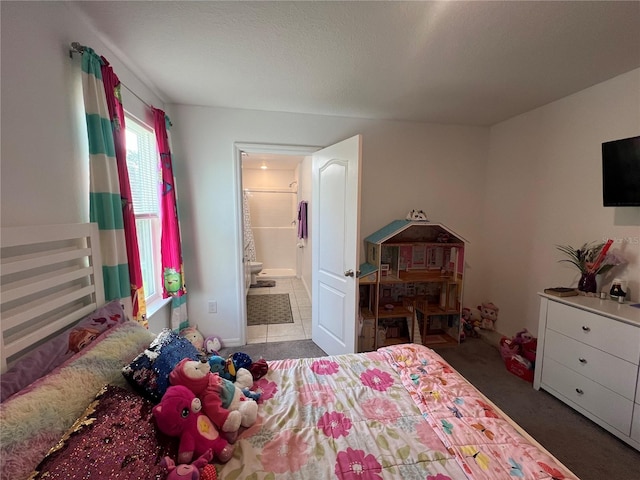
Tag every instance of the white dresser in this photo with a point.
(588, 356)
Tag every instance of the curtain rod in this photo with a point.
(78, 48)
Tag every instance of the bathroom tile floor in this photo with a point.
(300, 309)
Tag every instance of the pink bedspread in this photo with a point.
(401, 413)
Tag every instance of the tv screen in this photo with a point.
(621, 172)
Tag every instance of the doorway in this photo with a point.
(334, 192)
(272, 181)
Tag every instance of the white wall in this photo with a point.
(45, 160)
(544, 188)
(271, 213)
(439, 169)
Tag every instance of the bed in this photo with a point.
(400, 412)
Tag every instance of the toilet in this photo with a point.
(255, 268)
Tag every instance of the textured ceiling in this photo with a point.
(472, 63)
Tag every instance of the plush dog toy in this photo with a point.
(199, 469)
(179, 414)
(222, 401)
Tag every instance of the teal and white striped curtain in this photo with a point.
(105, 206)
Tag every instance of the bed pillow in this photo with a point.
(149, 372)
(35, 418)
(56, 351)
(115, 438)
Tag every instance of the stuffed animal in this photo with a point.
(222, 401)
(489, 315)
(179, 414)
(417, 215)
(527, 344)
(199, 469)
(194, 336)
(243, 379)
(229, 368)
(212, 345)
(470, 324)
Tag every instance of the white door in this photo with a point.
(335, 222)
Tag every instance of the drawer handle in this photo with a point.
(582, 360)
(580, 391)
(586, 329)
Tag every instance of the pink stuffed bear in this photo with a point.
(222, 401)
(179, 415)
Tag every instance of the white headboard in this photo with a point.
(50, 278)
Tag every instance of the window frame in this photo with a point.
(154, 221)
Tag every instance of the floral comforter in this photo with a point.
(401, 412)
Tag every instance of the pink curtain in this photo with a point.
(172, 267)
(116, 115)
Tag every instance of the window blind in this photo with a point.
(142, 162)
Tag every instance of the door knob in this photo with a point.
(348, 273)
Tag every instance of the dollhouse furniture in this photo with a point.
(411, 285)
(588, 356)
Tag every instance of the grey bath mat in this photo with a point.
(269, 309)
(263, 283)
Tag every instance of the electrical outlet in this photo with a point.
(213, 307)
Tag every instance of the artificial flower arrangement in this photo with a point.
(591, 259)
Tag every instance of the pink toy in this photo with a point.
(179, 415)
(193, 471)
(527, 344)
(222, 401)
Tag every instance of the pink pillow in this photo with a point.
(60, 348)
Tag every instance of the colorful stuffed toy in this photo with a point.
(179, 414)
(192, 334)
(489, 315)
(528, 344)
(243, 378)
(212, 345)
(229, 368)
(222, 401)
(199, 469)
(471, 325)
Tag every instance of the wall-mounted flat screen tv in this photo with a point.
(621, 172)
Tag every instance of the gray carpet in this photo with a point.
(269, 309)
(588, 450)
(277, 350)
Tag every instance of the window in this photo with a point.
(144, 178)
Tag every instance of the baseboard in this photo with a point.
(492, 337)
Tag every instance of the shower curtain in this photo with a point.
(249, 244)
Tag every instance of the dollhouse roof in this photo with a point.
(408, 230)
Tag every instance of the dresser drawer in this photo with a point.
(612, 372)
(618, 338)
(608, 406)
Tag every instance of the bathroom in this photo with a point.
(277, 259)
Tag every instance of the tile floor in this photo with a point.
(300, 309)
